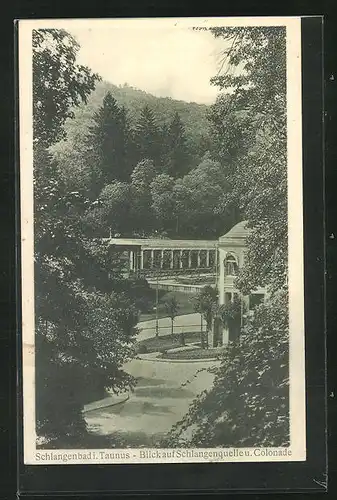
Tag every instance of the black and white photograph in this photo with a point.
(161, 240)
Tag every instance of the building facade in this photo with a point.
(148, 256)
(231, 255)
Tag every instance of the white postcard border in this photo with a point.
(297, 447)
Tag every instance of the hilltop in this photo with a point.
(193, 115)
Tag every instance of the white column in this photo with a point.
(217, 274)
(207, 258)
(171, 263)
(189, 259)
(161, 259)
(181, 259)
(220, 276)
(198, 261)
(152, 259)
(131, 260)
(141, 258)
(225, 335)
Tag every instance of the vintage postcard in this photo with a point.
(162, 240)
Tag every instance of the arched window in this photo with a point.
(231, 266)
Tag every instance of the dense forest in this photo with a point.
(148, 163)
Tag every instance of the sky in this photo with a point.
(164, 61)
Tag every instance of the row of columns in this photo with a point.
(137, 261)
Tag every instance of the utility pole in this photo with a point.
(241, 310)
(157, 301)
(216, 265)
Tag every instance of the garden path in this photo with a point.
(162, 396)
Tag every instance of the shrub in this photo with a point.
(142, 349)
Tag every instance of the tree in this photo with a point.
(230, 315)
(163, 202)
(176, 157)
(172, 308)
(108, 137)
(256, 110)
(193, 206)
(115, 201)
(147, 136)
(206, 300)
(248, 403)
(199, 197)
(232, 133)
(164, 133)
(75, 300)
(142, 212)
(75, 165)
(232, 138)
(58, 83)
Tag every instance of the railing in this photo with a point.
(174, 271)
(177, 328)
(179, 287)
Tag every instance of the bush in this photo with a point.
(140, 292)
(142, 349)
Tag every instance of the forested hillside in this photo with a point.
(147, 163)
(193, 115)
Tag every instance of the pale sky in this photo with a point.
(164, 61)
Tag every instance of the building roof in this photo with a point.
(154, 243)
(238, 232)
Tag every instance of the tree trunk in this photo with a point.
(209, 331)
(182, 338)
(172, 320)
(201, 334)
(215, 333)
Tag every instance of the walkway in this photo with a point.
(162, 397)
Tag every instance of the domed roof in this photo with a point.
(239, 231)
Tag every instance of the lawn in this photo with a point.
(185, 301)
(211, 353)
(165, 342)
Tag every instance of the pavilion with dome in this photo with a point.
(231, 255)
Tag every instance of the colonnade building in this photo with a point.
(231, 250)
(146, 256)
(231, 255)
(218, 260)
